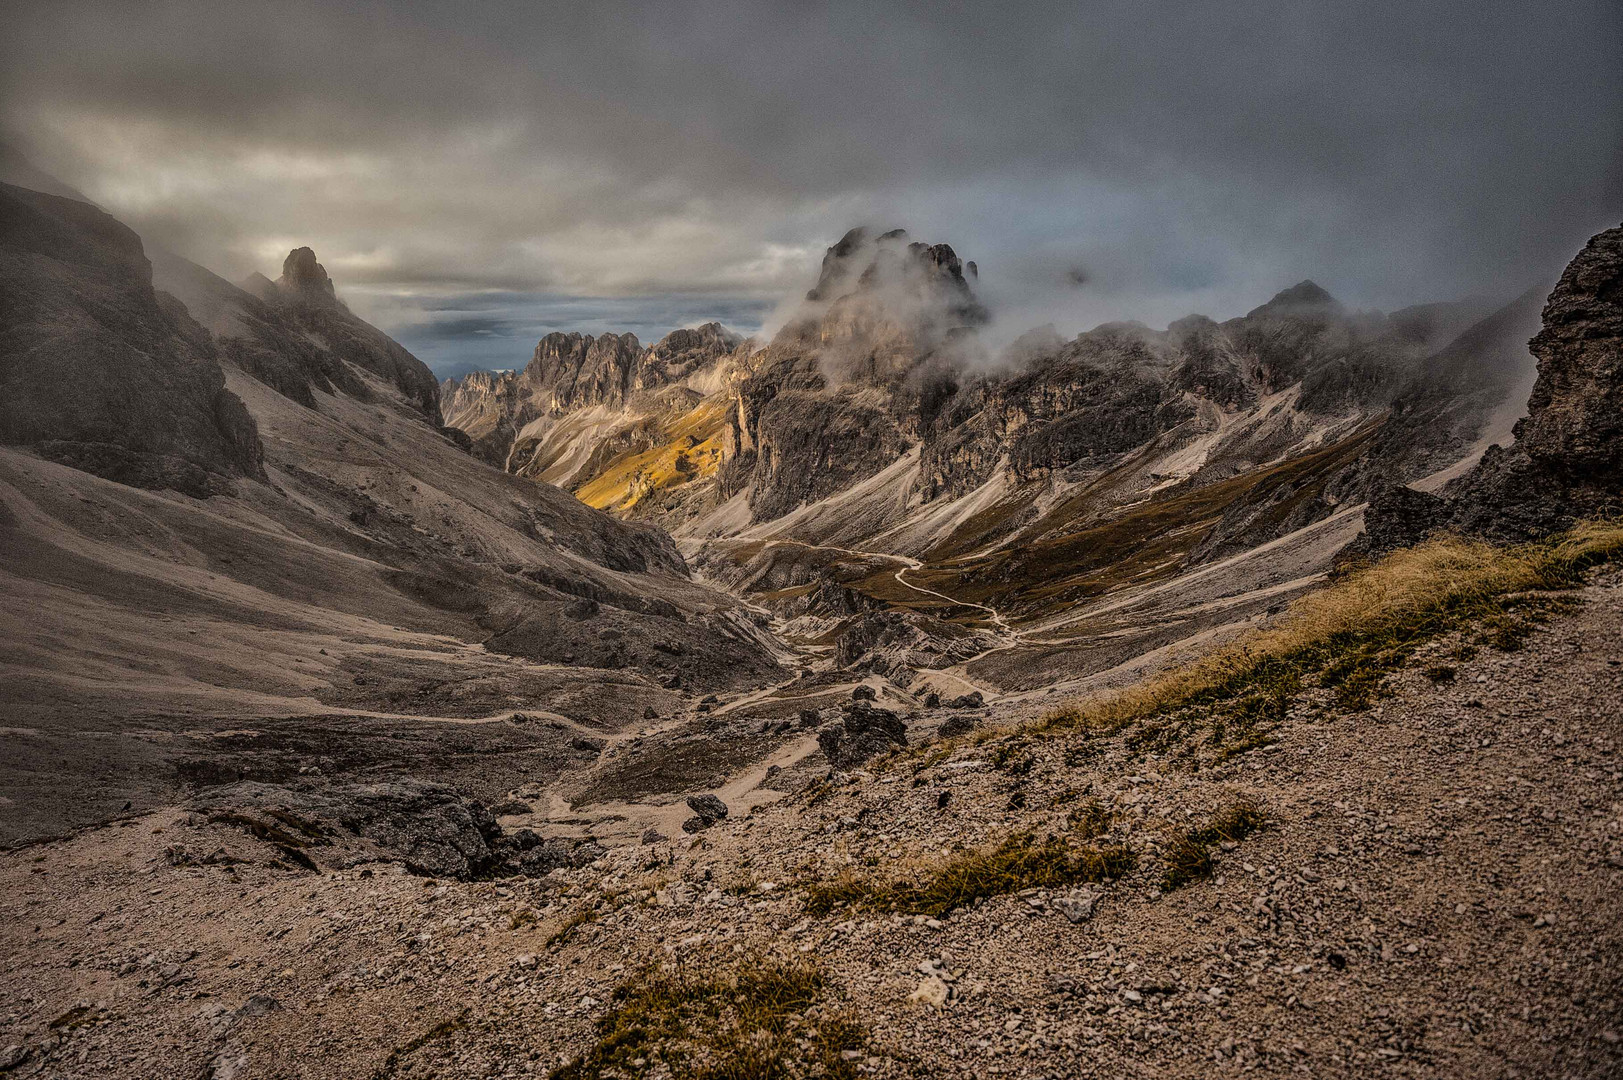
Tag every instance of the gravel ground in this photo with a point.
(1438, 893)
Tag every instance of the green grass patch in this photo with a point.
(1189, 856)
(1020, 862)
(762, 1019)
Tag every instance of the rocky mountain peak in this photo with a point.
(1303, 298)
(257, 284)
(304, 278)
(891, 262)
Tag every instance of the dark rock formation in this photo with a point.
(430, 827)
(1574, 426)
(296, 336)
(864, 732)
(305, 280)
(958, 724)
(98, 370)
(1567, 459)
(708, 807)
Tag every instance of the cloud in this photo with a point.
(1189, 156)
(456, 332)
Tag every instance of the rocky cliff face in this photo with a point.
(1566, 460)
(517, 420)
(99, 370)
(1574, 426)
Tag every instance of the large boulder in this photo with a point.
(864, 732)
(709, 808)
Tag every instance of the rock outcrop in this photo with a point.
(510, 416)
(864, 732)
(432, 828)
(295, 335)
(97, 368)
(305, 280)
(1574, 426)
(1566, 461)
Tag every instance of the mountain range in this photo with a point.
(851, 700)
(872, 464)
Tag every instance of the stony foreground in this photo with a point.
(1439, 892)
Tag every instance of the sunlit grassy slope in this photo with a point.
(1349, 635)
(688, 449)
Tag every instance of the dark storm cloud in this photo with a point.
(1189, 156)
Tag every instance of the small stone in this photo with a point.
(932, 991)
(1078, 906)
(260, 1004)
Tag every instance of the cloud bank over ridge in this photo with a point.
(474, 175)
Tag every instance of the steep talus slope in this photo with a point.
(98, 369)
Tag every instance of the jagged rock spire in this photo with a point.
(304, 278)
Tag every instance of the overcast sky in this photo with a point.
(474, 174)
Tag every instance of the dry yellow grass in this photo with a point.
(1369, 619)
(690, 449)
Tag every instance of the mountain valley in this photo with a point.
(358, 723)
